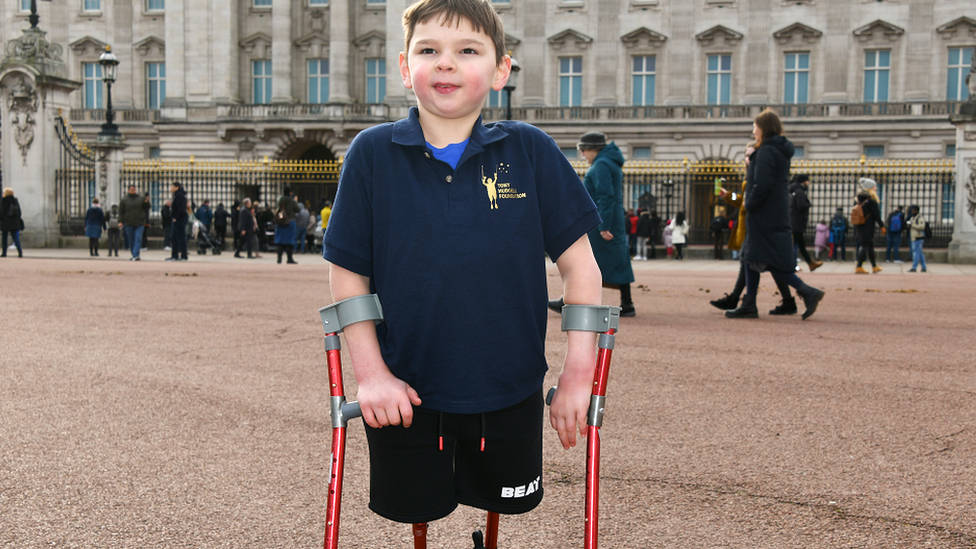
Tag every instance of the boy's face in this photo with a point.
(452, 69)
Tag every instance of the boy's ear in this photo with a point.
(405, 71)
(502, 72)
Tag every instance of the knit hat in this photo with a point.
(592, 140)
(867, 183)
(802, 178)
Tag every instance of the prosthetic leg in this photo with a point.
(601, 319)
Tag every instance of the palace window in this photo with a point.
(877, 65)
(318, 80)
(375, 80)
(796, 78)
(155, 85)
(261, 81)
(155, 5)
(642, 80)
(570, 81)
(960, 60)
(719, 79)
(91, 5)
(94, 97)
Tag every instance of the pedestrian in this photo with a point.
(717, 227)
(114, 232)
(867, 200)
(768, 242)
(655, 233)
(466, 270)
(11, 221)
(166, 216)
(301, 227)
(895, 223)
(610, 241)
(632, 220)
(220, 223)
(668, 239)
(286, 229)
(181, 217)
(917, 228)
(205, 215)
(800, 217)
(245, 230)
(94, 224)
(821, 238)
(145, 226)
(679, 232)
(235, 220)
(730, 301)
(313, 222)
(838, 235)
(132, 219)
(645, 231)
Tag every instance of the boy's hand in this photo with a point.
(387, 400)
(570, 404)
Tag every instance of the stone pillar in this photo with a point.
(962, 248)
(607, 46)
(174, 107)
(33, 89)
(281, 52)
(339, 25)
(108, 171)
(396, 94)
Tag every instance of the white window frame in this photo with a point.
(319, 77)
(721, 76)
(961, 68)
(94, 97)
(877, 70)
(794, 74)
(643, 75)
(261, 82)
(155, 83)
(151, 8)
(91, 6)
(570, 80)
(376, 77)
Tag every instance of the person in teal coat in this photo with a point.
(604, 182)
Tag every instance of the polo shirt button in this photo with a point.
(448, 179)
(427, 155)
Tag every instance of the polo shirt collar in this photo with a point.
(407, 132)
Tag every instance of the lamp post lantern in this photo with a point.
(510, 87)
(34, 19)
(110, 65)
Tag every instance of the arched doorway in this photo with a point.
(316, 178)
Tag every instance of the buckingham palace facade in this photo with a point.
(665, 79)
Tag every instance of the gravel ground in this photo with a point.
(162, 405)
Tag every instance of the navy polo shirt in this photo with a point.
(457, 256)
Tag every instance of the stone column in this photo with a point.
(396, 93)
(281, 52)
(339, 25)
(962, 248)
(606, 46)
(837, 49)
(174, 107)
(33, 89)
(683, 49)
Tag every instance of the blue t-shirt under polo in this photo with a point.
(450, 154)
(457, 255)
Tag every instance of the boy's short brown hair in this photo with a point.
(479, 13)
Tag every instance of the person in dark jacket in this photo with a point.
(94, 225)
(867, 197)
(205, 215)
(718, 227)
(244, 230)
(235, 220)
(644, 233)
(656, 224)
(114, 233)
(609, 240)
(220, 222)
(11, 221)
(166, 215)
(895, 224)
(180, 218)
(132, 219)
(287, 232)
(768, 242)
(838, 236)
(800, 217)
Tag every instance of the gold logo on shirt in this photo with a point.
(498, 190)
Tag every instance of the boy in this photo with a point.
(447, 221)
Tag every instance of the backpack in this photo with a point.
(281, 218)
(895, 224)
(14, 210)
(857, 215)
(928, 231)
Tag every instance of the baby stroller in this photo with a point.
(603, 320)
(205, 241)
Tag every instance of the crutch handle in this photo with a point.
(550, 395)
(351, 410)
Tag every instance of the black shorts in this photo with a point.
(413, 481)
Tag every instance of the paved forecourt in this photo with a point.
(152, 404)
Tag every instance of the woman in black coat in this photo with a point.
(769, 240)
(868, 199)
(11, 221)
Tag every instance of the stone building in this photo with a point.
(666, 79)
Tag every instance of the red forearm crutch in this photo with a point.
(335, 318)
(605, 320)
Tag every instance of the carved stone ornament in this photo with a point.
(969, 136)
(22, 104)
(971, 190)
(33, 47)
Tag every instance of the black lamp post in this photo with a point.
(510, 87)
(34, 19)
(110, 66)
